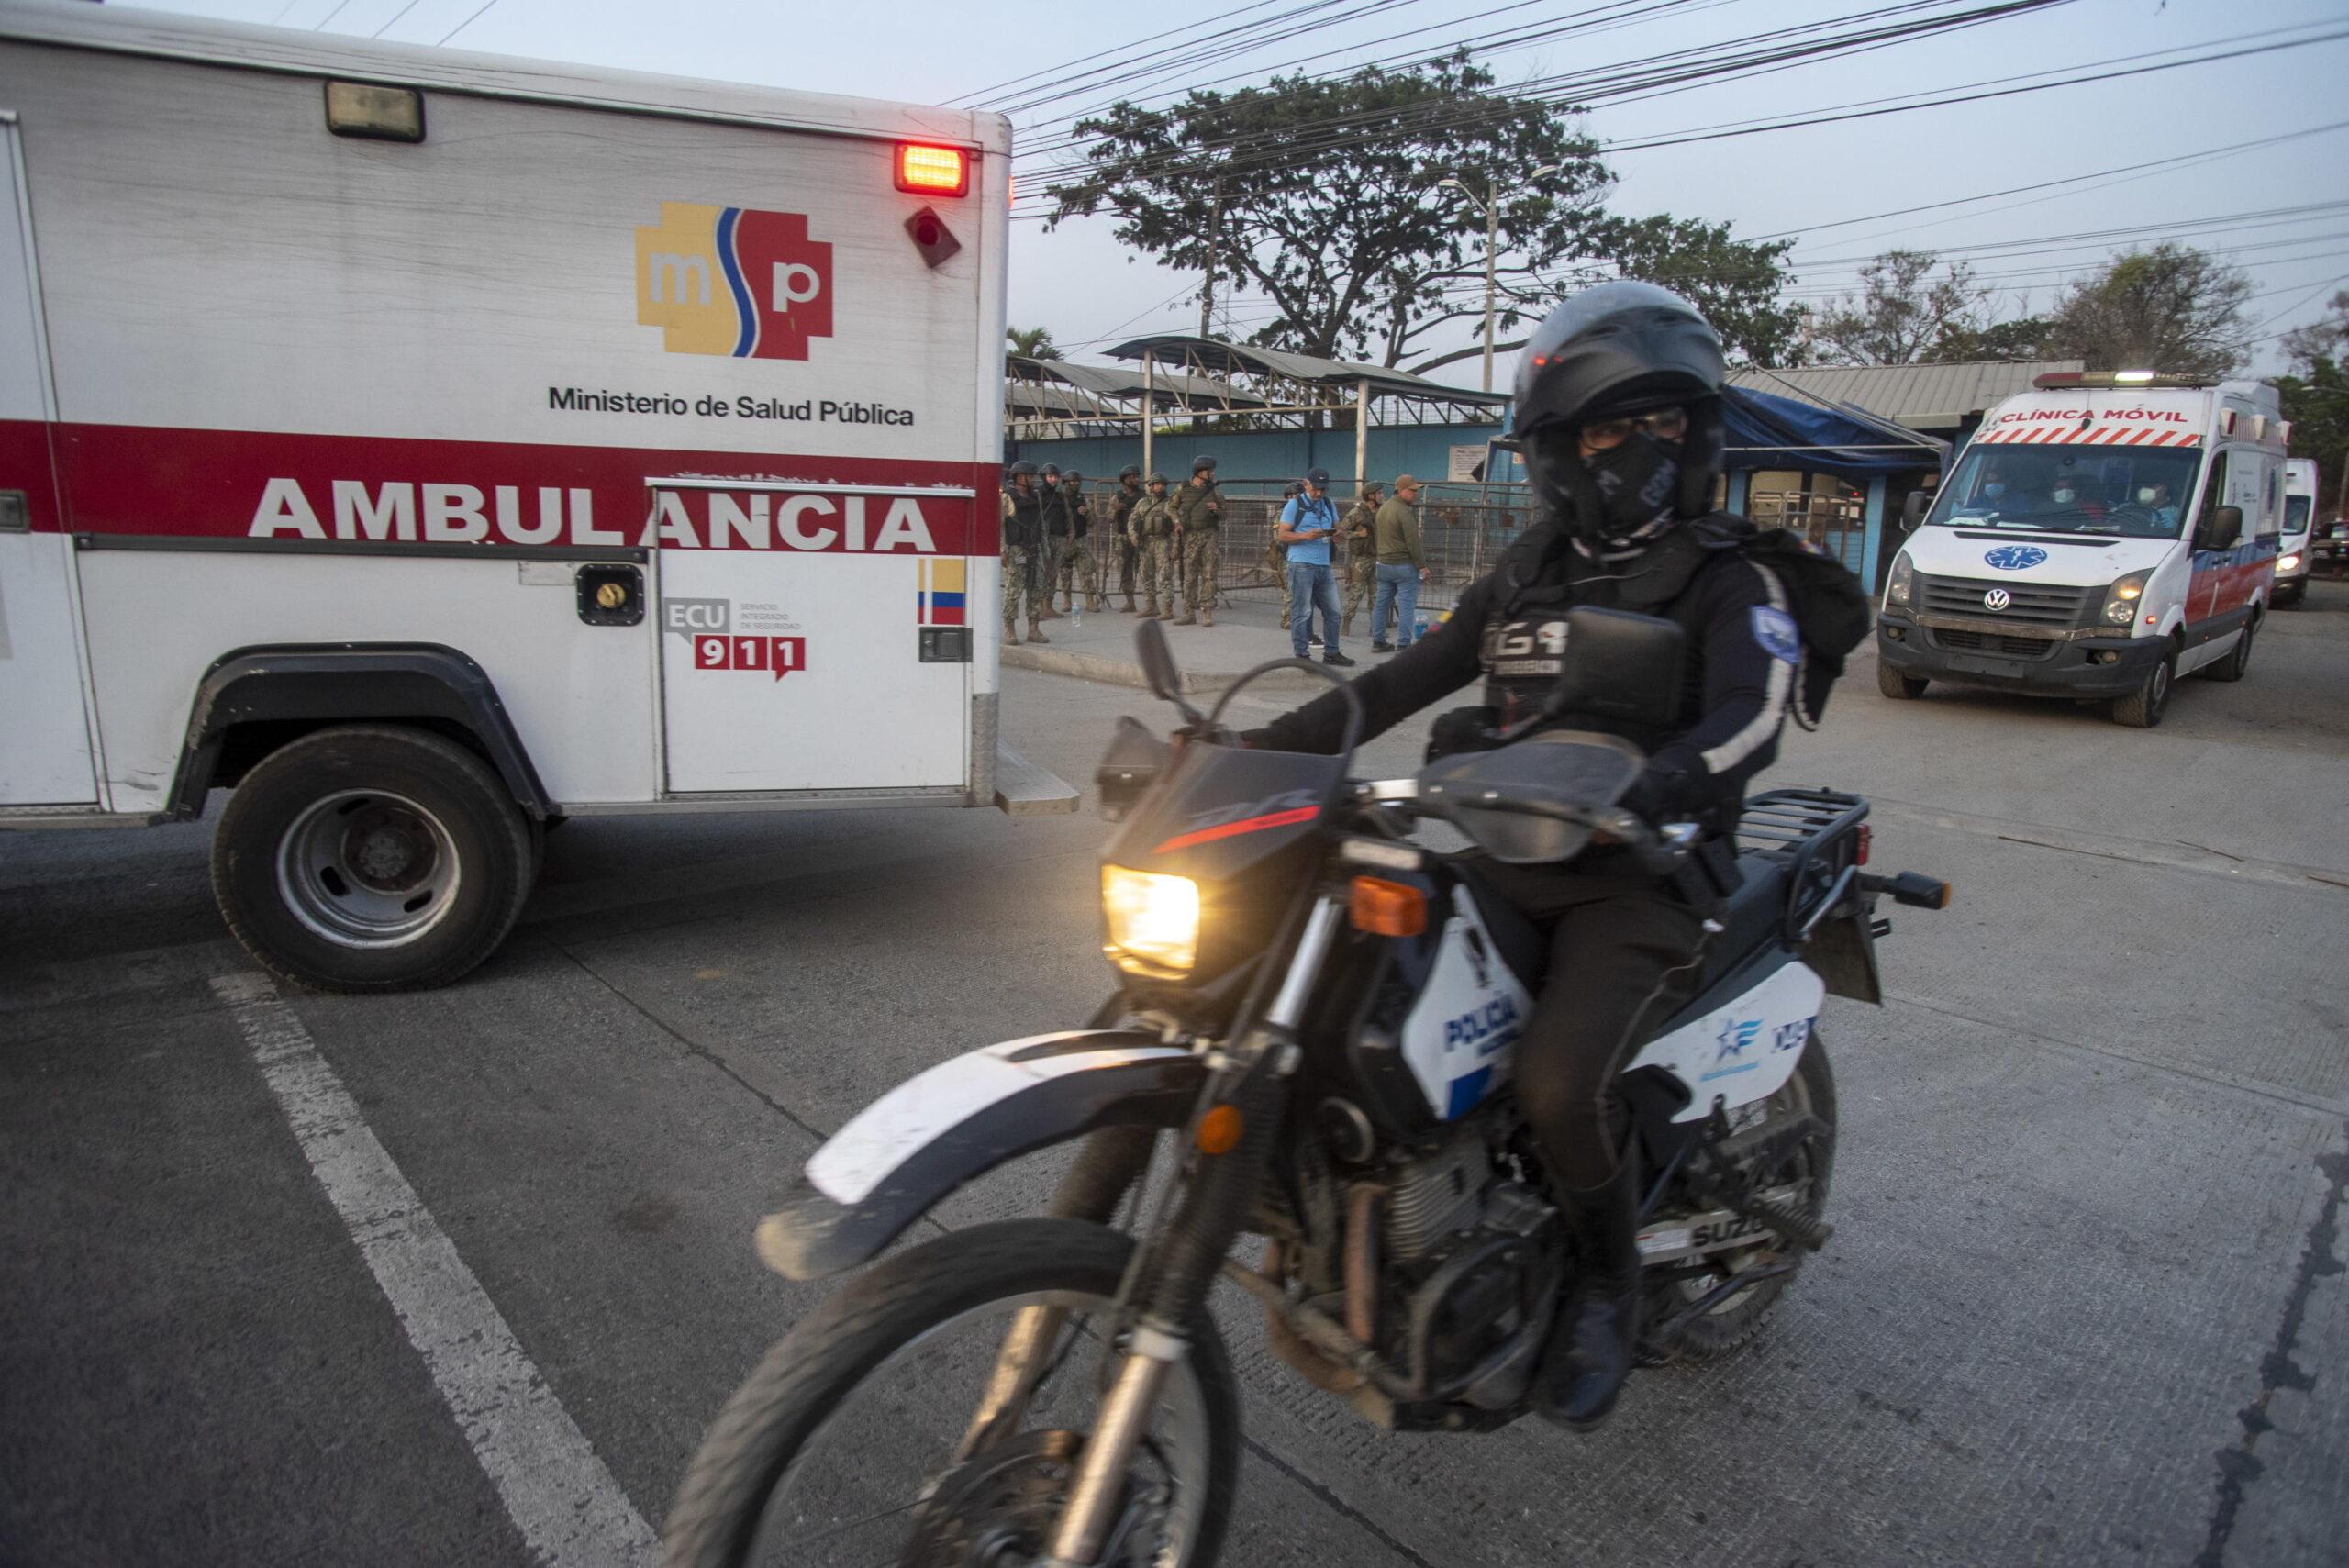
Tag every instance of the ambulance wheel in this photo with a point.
(372, 858)
(2143, 708)
(2238, 659)
(2289, 597)
(1893, 684)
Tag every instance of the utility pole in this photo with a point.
(1215, 231)
(1491, 201)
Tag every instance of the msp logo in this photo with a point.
(733, 280)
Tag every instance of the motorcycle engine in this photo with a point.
(1471, 1264)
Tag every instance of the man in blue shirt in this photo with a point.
(1307, 524)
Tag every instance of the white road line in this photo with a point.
(558, 1494)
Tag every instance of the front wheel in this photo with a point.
(1893, 684)
(898, 1425)
(2143, 708)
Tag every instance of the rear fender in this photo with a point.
(961, 1119)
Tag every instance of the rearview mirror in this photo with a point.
(1158, 666)
(1619, 666)
(2224, 530)
(1913, 510)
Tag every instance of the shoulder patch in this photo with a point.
(1774, 630)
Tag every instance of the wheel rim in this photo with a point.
(878, 1481)
(2158, 698)
(368, 869)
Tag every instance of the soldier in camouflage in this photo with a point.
(1199, 529)
(1045, 565)
(1023, 535)
(1069, 570)
(1361, 554)
(1152, 529)
(1122, 502)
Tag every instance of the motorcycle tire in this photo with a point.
(808, 1376)
(1716, 1333)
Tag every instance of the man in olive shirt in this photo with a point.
(1198, 524)
(1402, 566)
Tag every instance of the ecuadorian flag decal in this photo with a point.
(940, 595)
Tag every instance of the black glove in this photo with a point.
(1463, 729)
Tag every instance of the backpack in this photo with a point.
(1830, 609)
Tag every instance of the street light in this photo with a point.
(1491, 201)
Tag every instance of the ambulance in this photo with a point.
(426, 448)
(2300, 523)
(2100, 536)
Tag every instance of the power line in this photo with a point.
(468, 22)
(387, 26)
(982, 94)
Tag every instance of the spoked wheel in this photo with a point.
(1723, 1328)
(932, 1415)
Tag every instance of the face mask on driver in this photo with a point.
(2064, 496)
(1636, 483)
(2147, 495)
(1992, 491)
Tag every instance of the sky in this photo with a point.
(1808, 183)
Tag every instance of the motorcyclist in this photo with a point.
(1619, 411)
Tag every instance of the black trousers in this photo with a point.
(1623, 955)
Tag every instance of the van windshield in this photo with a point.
(2296, 514)
(2060, 488)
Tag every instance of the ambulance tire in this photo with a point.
(2143, 708)
(428, 817)
(1893, 684)
(2238, 659)
(2289, 596)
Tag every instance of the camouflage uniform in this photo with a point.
(1101, 549)
(1276, 554)
(1022, 533)
(1069, 568)
(1361, 558)
(1122, 503)
(1152, 529)
(1198, 512)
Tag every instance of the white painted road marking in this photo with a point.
(571, 1512)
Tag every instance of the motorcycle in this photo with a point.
(1316, 1014)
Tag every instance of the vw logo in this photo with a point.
(2015, 557)
(1996, 599)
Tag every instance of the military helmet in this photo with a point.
(1072, 473)
(1203, 465)
(1156, 477)
(1052, 470)
(1129, 472)
(1023, 466)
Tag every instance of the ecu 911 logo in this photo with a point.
(733, 280)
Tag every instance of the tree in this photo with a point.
(2321, 340)
(2025, 337)
(1903, 314)
(1326, 195)
(2317, 403)
(2171, 308)
(1032, 342)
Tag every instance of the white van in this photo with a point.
(2100, 536)
(2299, 520)
(429, 448)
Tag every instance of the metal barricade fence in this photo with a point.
(1463, 528)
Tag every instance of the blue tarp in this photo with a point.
(1770, 431)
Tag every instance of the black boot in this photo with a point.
(1594, 1340)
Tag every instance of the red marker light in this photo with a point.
(932, 170)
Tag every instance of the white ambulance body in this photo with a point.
(2300, 523)
(2100, 536)
(383, 426)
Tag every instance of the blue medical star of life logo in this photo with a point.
(1735, 1037)
(2015, 557)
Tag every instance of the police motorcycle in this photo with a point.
(1315, 1016)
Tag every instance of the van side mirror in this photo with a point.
(1619, 665)
(2224, 530)
(1913, 510)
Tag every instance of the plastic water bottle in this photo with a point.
(1420, 631)
(1077, 612)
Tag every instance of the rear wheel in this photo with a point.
(1721, 1328)
(1893, 684)
(856, 1440)
(372, 858)
(2143, 708)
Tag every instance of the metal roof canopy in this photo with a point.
(1918, 396)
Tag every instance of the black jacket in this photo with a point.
(1025, 526)
(1741, 660)
(1057, 521)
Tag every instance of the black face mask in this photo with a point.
(1637, 484)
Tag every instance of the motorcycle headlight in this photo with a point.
(2120, 599)
(1903, 581)
(1153, 922)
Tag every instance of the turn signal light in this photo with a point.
(1388, 908)
(932, 170)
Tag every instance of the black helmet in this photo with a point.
(1291, 488)
(1620, 347)
(1052, 470)
(1023, 466)
(1317, 477)
(1202, 465)
(1156, 477)
(1129, 472)
(1072, 473)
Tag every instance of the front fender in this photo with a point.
(960, 1119)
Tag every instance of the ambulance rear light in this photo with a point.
(933, 171)
(2054, 380)
(374, 113)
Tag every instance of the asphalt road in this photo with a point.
(274, 1264)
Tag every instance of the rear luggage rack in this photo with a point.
(1803, 825)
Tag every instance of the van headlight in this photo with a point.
(2120, 599)
(2290, 563)
(1153, 922)
(1903, 582)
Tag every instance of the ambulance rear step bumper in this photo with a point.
(1023, 789)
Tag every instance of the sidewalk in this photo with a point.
(1247, 632)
